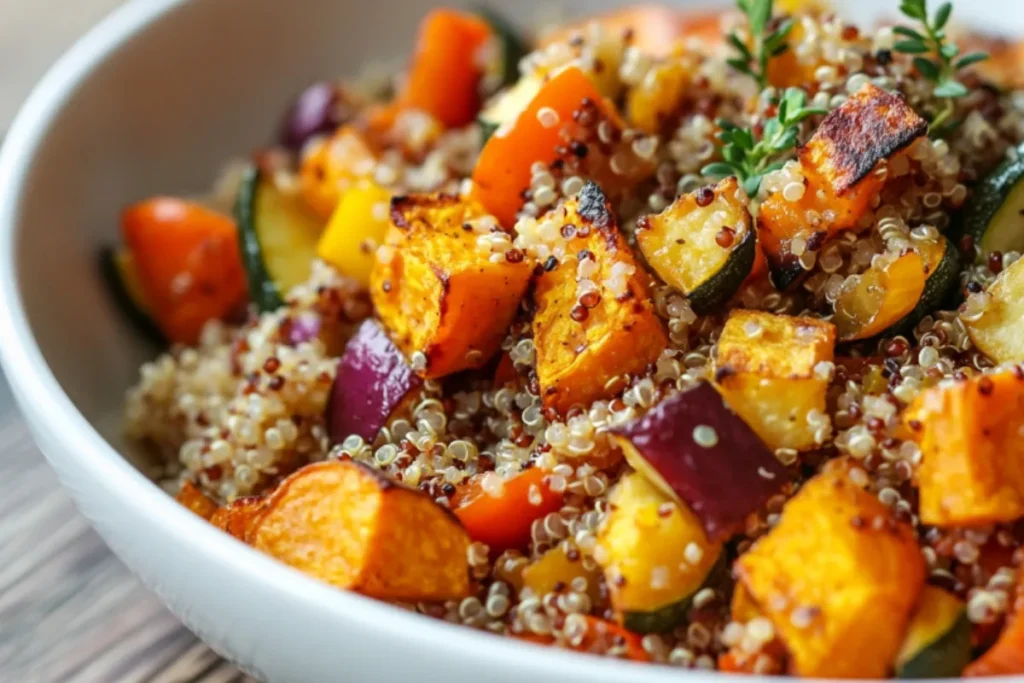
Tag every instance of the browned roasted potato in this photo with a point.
(350, 526)
(196, 501)
(438, 291)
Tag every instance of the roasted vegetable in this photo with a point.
(938, 639)
(188, 264)
(654, 104)
(695, 449)
(357, 227)
(655, 555)
(333, 164)
(277, 237)
(773, 370)
(838, 164)
(239, 517)
(587, 335)
(440, 293)
(972, 470)
(500, 512)
(513, 46)
(992, 216)
(838, 577)
(703, 244)
(196, 501)
(503, 170)
(122, 278)
(374, 380)
(348, 525)
(444, 77)
(601, 637)
(999, 331)
(1007, 655)
(556, 571)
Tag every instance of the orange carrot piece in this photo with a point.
(1007, 655)
(446, 70)
(188, 263)
(601, 635)
(503, 522)
(503, 170)
(505, 373)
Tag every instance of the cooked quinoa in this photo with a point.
(248, 403)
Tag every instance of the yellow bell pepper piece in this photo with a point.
(356, 229)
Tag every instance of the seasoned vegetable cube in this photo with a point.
(774, 370)
(1007, 655)
(594, 320)
(348, 525)
(997, 328)
(703, 244)
(938, 639)
(838, 168)
(357, 227)
(239, 517)
(838, 577)
(331, 165)
(972, 467)
(438, 290)
(556, 569)
(697, 450)
(195, 500)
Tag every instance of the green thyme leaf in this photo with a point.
(972, 58)
(928, 69)
(951, 88)
(942, 15)
(911, 47)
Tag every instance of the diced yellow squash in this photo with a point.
(654, 103)
(885, 294)
(999, 332)
(654, 551)
(331, 165)
(348, 525)
(838, 577)
(437, 291)
(357, 227)
(767, 369)
(555, 571)
(703, 244)
(581, 349)
(838, 165)
(972, 467)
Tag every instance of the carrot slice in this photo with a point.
(188, 262)
(503, 521)
(503, 170)
(446, 69)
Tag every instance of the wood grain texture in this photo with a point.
(70, 612)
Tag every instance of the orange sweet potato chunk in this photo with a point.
(196, 501)
(437, 291)
(580, 350)
(972, 467)
(331, 165)
(348, 525)
(239, 517)
(838, 577)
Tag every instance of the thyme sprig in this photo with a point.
(767, 43)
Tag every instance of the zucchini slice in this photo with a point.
(999, 331)
(655, 556)
(703, 244)
(938, 640)
(891, 299)
(994, 216)
(278, 239)
(513, 45)
(117, 265)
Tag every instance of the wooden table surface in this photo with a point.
(70, 612)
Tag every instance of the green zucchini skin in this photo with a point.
(119, 292)
(513, 46)
(945, 657)
(262, 290)
(936, 289)
(718, 288)
(666, 618)
(987, 199)
(787, 275)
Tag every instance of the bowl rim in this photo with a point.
(38, 393)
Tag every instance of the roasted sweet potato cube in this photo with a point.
(838, 577)
(972, 467)
(438, 291)
(838, 165)
(589, 331)
(773, 370)
(239, 517)
(350, 526)
(196, 501)
(331, 165)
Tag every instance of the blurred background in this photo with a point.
(69, 611)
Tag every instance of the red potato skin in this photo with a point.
(723, 483)
(373, 379)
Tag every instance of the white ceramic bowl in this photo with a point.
(152, 101)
